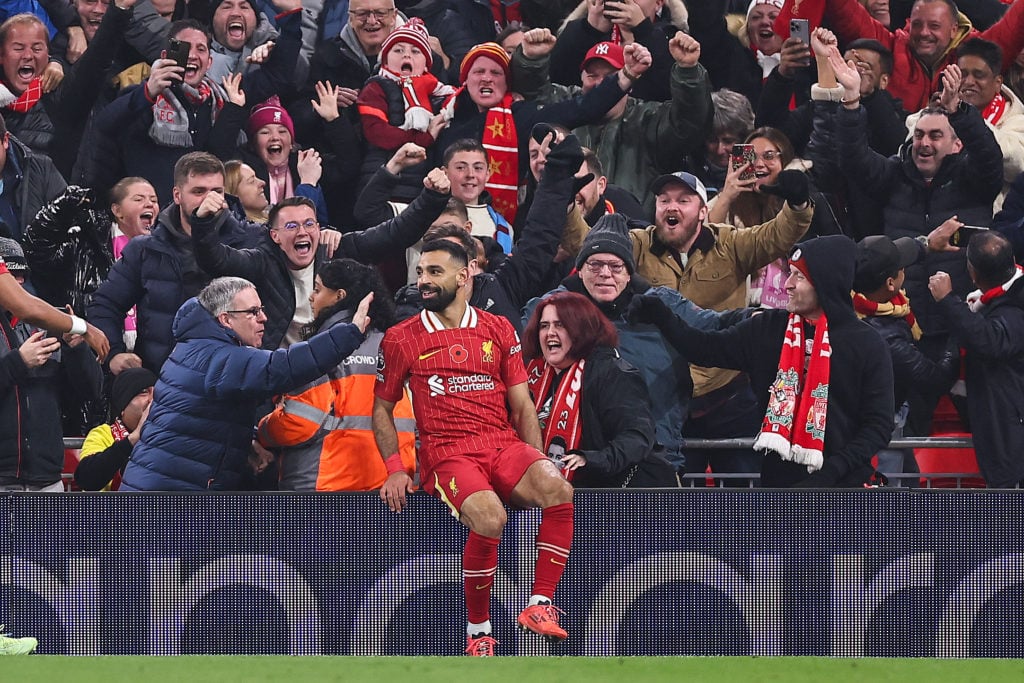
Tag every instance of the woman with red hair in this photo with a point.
(593, 406)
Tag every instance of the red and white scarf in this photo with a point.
(417, 92)
(977, 299)
(25, 101)
(501, 141)
(565, 421)
(502, 144)
(794, 424)
(995, 109)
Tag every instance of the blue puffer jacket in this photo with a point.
(200, 424)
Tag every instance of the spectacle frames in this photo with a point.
(308, 224)
(364, 15)
(253, 312)
(770, 155)
(596, 267)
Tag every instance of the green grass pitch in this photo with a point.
(228, 669)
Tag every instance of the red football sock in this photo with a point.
(553, 540)
(479, 563)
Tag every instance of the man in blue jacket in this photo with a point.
(199, 431)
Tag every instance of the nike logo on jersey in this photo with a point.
(424, 356)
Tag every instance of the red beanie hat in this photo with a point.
(413, 32)
(270, 111)
(492, 50)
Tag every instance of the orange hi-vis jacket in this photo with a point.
(325, 431)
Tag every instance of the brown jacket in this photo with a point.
(715, 275)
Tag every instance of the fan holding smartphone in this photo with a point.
(170, 69)
(178, 50)
(756, 163)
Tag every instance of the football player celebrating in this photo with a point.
(479, 438)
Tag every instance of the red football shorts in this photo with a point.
(456, 478)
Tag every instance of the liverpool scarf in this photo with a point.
(170, 126)
(25, 101)
(995, 109)
(502, 144)
(977, 299)
(565, 421)
(897, 307)
(794, 425)
(501, 141)
(417, 92)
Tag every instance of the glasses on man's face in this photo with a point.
(363, 15)
(308, 224)
(253, 312)
(596, 267)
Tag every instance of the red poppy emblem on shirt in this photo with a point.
(458, 353)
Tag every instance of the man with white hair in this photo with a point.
(199, 431)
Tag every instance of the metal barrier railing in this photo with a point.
(912, 479)
(959, 479)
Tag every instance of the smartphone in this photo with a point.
(606, 3)
(800, 28)
(962, 236)
(178, 51)
(744, 154)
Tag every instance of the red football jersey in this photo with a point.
(458, 378)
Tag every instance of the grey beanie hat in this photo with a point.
(13, 255)
(610, 235)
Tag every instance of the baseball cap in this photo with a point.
(878, 257)
(609, 52)
(688, 179)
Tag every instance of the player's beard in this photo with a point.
(440, 301)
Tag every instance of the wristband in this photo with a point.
(855, 100)
(630, 75)
(78, 325)
(394, 463)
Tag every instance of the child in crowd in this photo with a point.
(398, 105)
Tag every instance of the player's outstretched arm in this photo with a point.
(19, 302)
(398, 483)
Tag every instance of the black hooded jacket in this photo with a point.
(860, 399)
(994, 369)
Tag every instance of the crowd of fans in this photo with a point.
(300, 153)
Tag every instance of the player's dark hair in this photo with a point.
(457, 232)
(454, 250)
